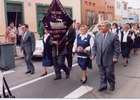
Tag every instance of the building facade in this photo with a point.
(118, 9)
(133, 14)
(95, 11)
(124, 10)
(32, 11)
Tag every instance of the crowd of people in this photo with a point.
(104, 46)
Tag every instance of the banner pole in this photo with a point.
(57, 50)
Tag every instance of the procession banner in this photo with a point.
(57, 21)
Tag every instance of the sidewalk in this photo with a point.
(19, 53)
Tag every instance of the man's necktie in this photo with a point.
(103, 41)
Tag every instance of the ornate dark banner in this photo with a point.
(57, 20)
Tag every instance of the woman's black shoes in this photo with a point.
(84, 81)
(44, 74)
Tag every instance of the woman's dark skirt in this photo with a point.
(125, 50)
(83, 63)
(47, 62)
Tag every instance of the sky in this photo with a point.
(133, 3)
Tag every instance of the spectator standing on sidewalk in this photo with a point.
(20, 32)
(11, 35)
(28, 47)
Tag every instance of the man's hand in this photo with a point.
(33, 51)
(92, 58)
(55, 42)
(67, 43)
(115, 60)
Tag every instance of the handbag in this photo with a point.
(89, 64)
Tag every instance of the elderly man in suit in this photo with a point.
(106, 50)
(28, 47)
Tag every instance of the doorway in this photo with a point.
(15, 17)
(14, 13)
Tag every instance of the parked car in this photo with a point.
(38, 49)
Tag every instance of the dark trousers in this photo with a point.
(28, 61)
(106, 75)
(59, 63)
(19, 39)
(69, 55)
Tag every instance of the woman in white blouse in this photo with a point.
(137, 39)
(47, 52)
(126, 38)
(115, 29)
(82, 45)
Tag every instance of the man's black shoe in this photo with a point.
(57, 78)
(70, 68)
(32, 73)
(67, 74)
(27, 72)
(102, 89)
(112, 88)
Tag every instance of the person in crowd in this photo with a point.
(106, 49)
(77, 28)
(119, 26)
(69, 45)
(137, 39)
(115, 28)
(131, 31)
(11, 35)
(47, 51)
(28, 47)
(126, 39)
(82, 45)
(59, 53)
(20, 32)
(99, 28)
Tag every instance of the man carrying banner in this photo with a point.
(57, 22)
(59, 60)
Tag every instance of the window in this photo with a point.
(90, 3)
(118, 5)
(69, 11)
(42, 9)
(85, 2)
(125, 6)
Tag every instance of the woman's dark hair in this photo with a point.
(129, 25)
(116, 25)
(11, 23)
(137, 26)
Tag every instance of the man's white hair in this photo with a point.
(106, 23)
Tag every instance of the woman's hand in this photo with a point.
(79, 49)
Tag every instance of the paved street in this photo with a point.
(33, 86)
